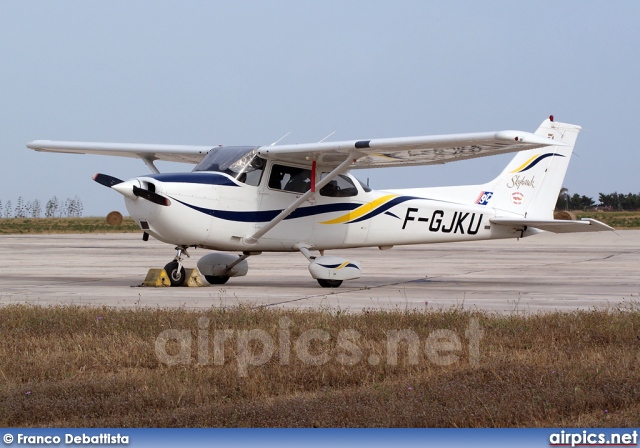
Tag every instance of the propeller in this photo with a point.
(106, 180)
(130, 190)
(151, 196)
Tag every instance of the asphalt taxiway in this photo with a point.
(545, 272)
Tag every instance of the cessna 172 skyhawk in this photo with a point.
(288, 198)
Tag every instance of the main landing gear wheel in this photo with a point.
(176, 273)
(216, 280)
(329, 283)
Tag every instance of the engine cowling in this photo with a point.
(334, 268)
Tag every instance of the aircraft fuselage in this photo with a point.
(212, 211)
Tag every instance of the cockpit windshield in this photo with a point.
(240, 162)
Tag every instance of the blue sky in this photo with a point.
(248, 72)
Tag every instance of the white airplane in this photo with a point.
(302, 198)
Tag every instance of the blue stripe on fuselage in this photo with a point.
(384, 207)
(268, 215)
(195, 178)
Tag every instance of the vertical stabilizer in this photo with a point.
(530, 184)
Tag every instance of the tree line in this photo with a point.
(70, 208)
(612, 201)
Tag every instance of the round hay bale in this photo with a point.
(564, 216)
(114, 218)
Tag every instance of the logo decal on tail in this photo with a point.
(517, 198)
(519, 181)
(483, 197)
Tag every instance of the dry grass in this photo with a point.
(12, 226)
(617, 220)
(76, 366)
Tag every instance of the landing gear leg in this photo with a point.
(175, 270)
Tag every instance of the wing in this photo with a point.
(555, 225)
(375, 153)
(406, 151)
(146, 152)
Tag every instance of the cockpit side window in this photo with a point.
(290, 178)
(251, 171)
(253, 177)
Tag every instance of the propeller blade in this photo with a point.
(151, 196)
(106, 180)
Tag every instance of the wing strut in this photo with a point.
(150, 164)
(253, 239)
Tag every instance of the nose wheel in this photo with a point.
(175, 270)
(176, 273)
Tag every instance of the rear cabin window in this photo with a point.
(340, 187)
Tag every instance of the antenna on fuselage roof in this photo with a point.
(327, 137)
(274, 143)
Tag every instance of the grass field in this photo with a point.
(9, 226)
(617, 220)
(105, 367)
(74, 366)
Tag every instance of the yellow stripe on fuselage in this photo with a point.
(525, 164)
(361, 211)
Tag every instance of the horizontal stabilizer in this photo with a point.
(555, 225)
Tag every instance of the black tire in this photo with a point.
(329, 283)
(176, 276)
(216, 280)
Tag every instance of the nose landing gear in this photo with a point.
(175, 269)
